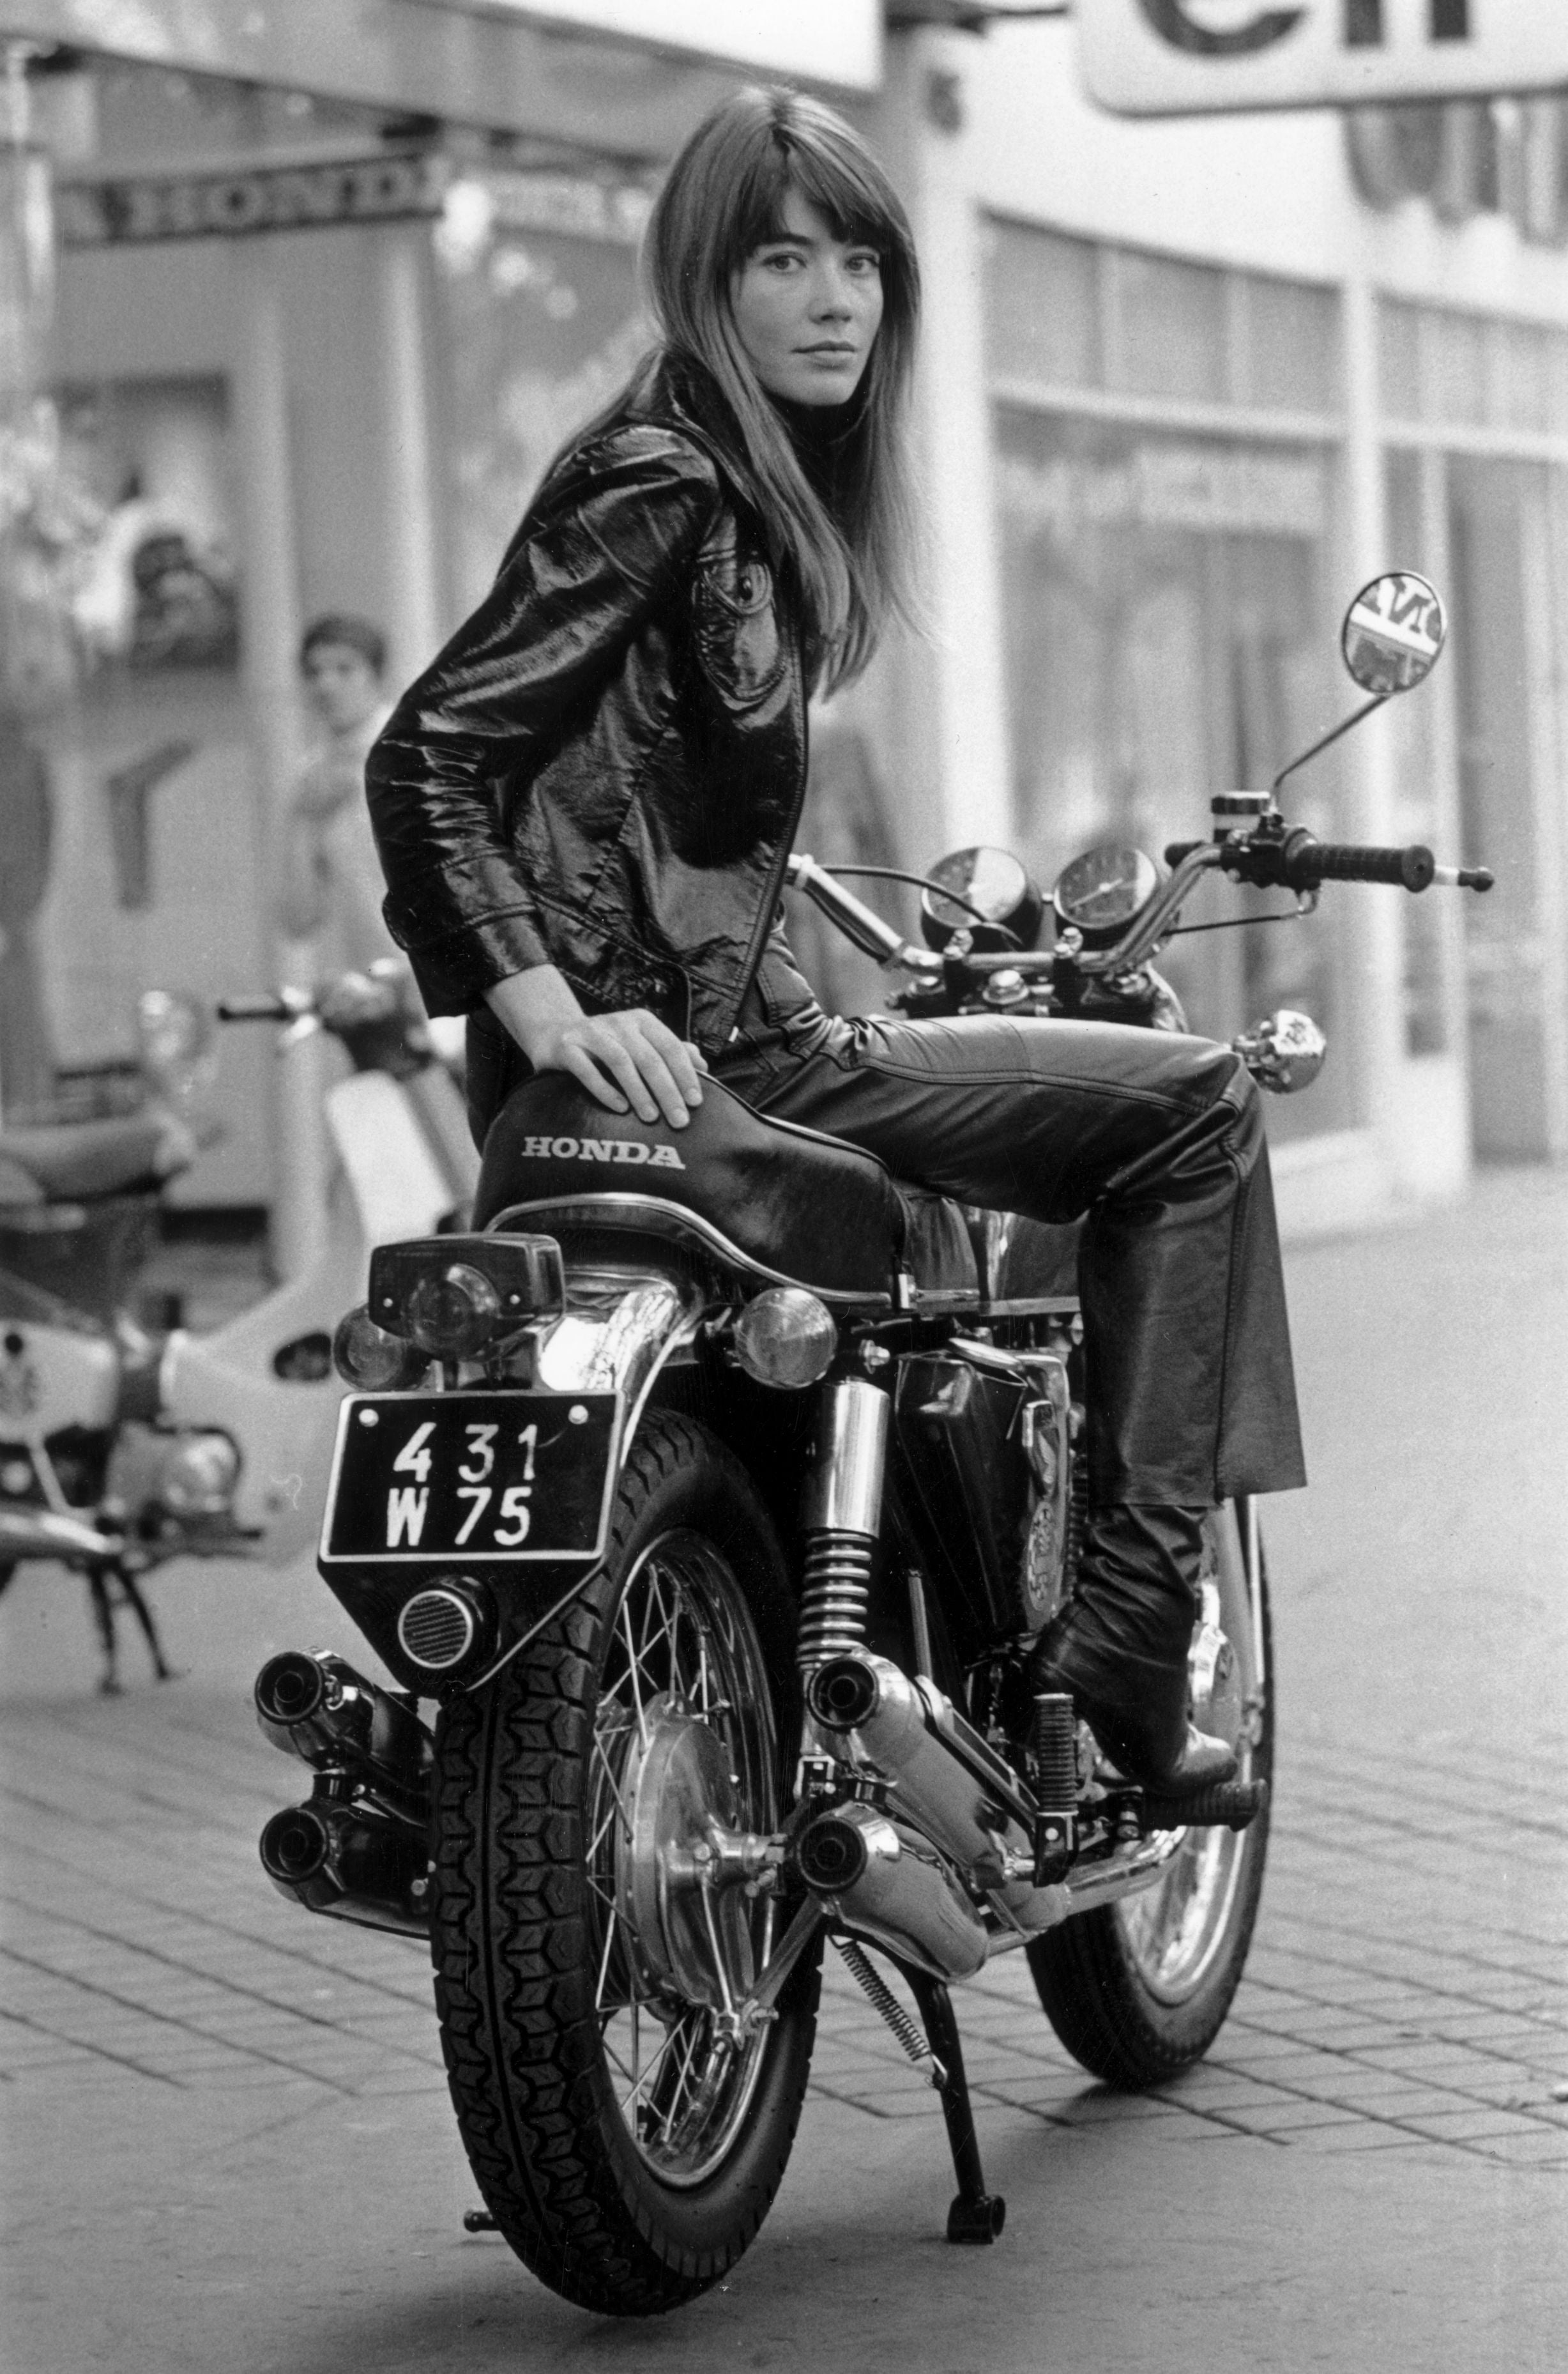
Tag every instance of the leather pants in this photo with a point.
(1156, 1139)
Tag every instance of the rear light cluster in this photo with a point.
(446, 1299)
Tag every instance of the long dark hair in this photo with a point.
(846, 539)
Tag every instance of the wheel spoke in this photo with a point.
(685, 1652)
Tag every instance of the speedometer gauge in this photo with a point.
(1101, 892)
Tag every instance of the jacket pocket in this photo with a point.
(735, 617)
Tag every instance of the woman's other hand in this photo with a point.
(625, 1060)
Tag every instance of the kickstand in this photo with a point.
(976, 2216)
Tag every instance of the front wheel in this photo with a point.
(1139, 1990)
(597, 1917)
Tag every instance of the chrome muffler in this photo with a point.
(359, 1850)
(946, 1779)
(315, 1705)
(883, 1881)
(352, 1861)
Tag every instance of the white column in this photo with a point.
(413, 611)
(964, 694)
(1373, 933)
(1546, 681)
(271, 629)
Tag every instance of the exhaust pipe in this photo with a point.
(911, 1732)
(314, 1705)
(352, 1862)
(883, 1880)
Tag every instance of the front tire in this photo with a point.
(1139, 1990)
(627, 2151)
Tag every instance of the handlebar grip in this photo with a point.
(1312, 861)
(268, 1008)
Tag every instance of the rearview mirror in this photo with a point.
(1393, 633)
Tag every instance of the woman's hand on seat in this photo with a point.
(623, 1059)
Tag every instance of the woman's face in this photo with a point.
(807, 308)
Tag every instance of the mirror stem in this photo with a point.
(1343, 727)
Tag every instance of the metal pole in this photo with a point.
(413, 615)
(271, 637)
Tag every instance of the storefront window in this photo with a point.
(545, 325)
(1166, 638)
(1066, 313)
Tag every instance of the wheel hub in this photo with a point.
(681, 1860)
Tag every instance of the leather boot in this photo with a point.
(1120, 1647)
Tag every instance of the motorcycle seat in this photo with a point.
(789, 1202)
(70, 1161)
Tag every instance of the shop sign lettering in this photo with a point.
(127, 209)
(1191, 57)
(1192, 486)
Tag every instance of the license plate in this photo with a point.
(477, 1476)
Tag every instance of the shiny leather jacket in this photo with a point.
(603, 769)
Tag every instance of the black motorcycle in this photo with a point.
(715, 1494)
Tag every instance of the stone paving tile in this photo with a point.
(1412, 2023)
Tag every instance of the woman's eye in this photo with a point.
(865, 263)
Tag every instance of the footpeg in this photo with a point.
(1053, 1755)
(1231, 1807)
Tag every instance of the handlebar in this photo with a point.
(1299, 860)
(858, 921)
(1294, 860)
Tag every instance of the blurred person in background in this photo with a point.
(584, 808)
(332, 878)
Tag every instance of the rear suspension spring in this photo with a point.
(836, 1596)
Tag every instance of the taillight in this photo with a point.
(457, 1296)
(452, 1311)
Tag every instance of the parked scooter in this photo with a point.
(123, 1445)
(717, 1491)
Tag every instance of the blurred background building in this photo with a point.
(296, 301)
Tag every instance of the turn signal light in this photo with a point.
(367, 1356)
(785, 1338)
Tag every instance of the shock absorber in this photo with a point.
(843, 1518)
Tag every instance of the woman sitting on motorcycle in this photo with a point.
(584, 808)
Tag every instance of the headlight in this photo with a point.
(367, 1355)
(198, 1474)
(786, 1337)
(452, 1311)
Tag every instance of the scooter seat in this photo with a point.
(72, 1161)
(791, 1202)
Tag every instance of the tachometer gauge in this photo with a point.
(1101, 892)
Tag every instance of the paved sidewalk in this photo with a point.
(230, 2141)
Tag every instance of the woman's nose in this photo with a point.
(831, 296)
